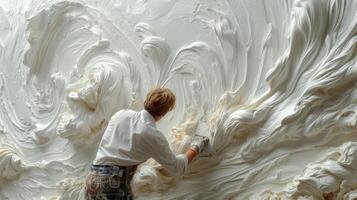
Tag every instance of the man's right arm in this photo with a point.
(156, 146)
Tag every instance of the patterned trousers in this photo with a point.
(109, 182)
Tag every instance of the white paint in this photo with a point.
(274, 84)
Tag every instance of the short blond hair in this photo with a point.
(159, 101)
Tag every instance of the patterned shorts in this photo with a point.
(107, 182)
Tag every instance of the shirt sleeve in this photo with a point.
(159, 150)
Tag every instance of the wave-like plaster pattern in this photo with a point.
(11, 165)
(332, 178)
(273, 84)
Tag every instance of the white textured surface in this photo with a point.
(273, 82)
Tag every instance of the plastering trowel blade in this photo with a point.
(203, 130)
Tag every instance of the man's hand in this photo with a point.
(199, 147)
(199, 143)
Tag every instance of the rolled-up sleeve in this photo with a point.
(159, 149)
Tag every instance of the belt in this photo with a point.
(121, 171)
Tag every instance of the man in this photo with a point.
(129, 140)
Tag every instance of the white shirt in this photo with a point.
(131, 138)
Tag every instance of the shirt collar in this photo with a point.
(148, 116)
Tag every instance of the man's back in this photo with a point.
(119, 145)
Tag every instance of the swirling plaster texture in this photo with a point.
(274, 84)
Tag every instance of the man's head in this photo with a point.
(159, 101)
